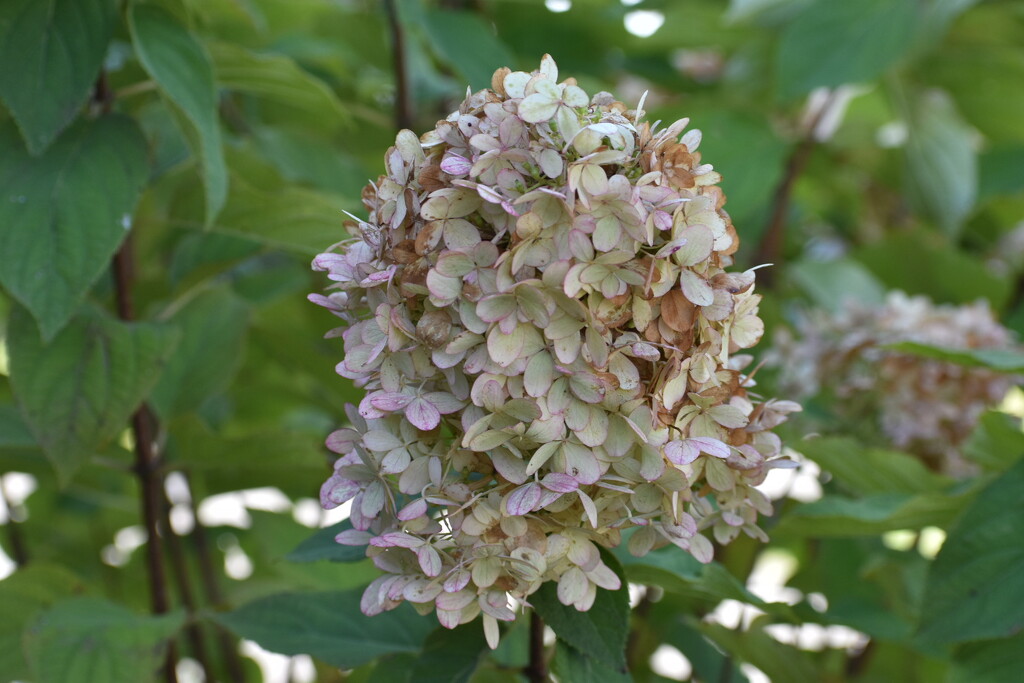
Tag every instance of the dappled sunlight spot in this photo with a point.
(801, 483)
(630, 3)
(126, 440)
(224, 509)
(753, 674)
(1013, 402)
(5, 361)
(126, 541)
(237, 564)
(891, 135)
(818, 602)
(733, 614)
(930, 542)
(177, 489)
(815, 637)
(279, 668)
(768, 578)
(338, 514)
(189, 670)
(637, 592)
(182, 519)
(307, 512)
(558, 5)
(643, 23)
(7, 565)
(900, 539)
(671, 663)
(267, 498)
(17, 487)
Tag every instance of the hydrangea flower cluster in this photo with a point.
(923, 405)
(538, 309)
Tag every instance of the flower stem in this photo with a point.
(537, 670)
(403, 101)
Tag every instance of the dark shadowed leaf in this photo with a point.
(781, 663)
(571, 665)
(870, 515)
(1000, 360)
(467, 44)
(84, 640)
(975, 586)
(329, 626)
(176, 60)
(77, 392)
(600, 632)
(871, 470)
(322, 546)
(52, 51)
(63, 214)
(450, 656)
(992, 661)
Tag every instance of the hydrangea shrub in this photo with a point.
(539, 309)
(923, 405)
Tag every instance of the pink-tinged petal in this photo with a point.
(449, 618)
(681, 452)
(537, 108)
(455, 601)
(390, 400)
(456, 581)
(430, 560)
(489, 194)
(523, 500)
(353, 537)
(337, 490)
(379, 277)
(396, 539)
(560, 483)
(453, 164)
(342, 441)
(695, 288)
(368, 410)
(571, 586)
(326, 302)
(422, 414)
(711, 446)
(445, 403)
(413, 510)
(588, 507)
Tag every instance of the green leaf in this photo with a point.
(78, 391)
(467, 44)
(84, 640)
(600, 632)
(212, 347)
(834, 43)
(830, 284)
(780, 663)
(53, 50)
(296, 219)
(999, 360)
(328, 626)
(24, 594)
(975, 587)
(64, 214)
(991, 661)
(572, 665)
(920, 263)
(450, 656)
(997, 442)
(276, 77)
(322, 546)
(871, 470)
(942, 168)
(176, 60)
(835, 516)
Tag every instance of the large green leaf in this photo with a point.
(1000, 360)
(871, 470)
(997, 442)
(571, 665)
(181, 68)
(322, 546)
(450, 656)
(975, 587)
(599, 632)
(24, 594)
(213, 326)
(329, 626)
(831, 284)
(836, 516)
(84, 640)
(467, 44)
(78, 391)
(278, 78)
(991, 661)
(833, 43)
(942, 167)
(64, 213)
(52, 51)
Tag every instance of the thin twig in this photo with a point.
(537, 670)
(403, 101)
(771, 248)
(17, 541)
(146, 461)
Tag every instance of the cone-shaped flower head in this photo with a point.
(539, 310)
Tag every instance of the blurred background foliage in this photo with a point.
(169, 168)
